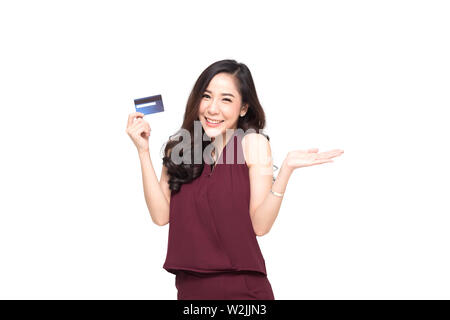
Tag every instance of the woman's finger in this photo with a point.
(144, 128)
(132, 116)
(330, 154)
(138, 129)
(137, 123)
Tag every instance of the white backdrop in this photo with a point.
(368, 77)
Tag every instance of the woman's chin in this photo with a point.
(212, 132)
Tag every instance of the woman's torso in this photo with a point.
(210, 228)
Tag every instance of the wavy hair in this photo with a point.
(253, 119)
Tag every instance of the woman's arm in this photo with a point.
(157, 194)
(264, 206)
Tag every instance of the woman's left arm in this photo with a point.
(264, 206)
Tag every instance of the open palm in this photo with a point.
(301, 158)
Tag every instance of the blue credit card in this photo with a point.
(149, 105)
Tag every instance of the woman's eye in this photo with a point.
(207, 96)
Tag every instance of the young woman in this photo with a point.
(217, 204)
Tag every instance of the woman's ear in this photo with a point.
(244, 109)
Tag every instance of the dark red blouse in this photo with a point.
(210, 228)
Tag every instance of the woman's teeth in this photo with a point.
(214, 121)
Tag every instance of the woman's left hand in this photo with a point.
(301, 158)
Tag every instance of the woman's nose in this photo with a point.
(213, 107)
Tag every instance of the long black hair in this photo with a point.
(253, 119)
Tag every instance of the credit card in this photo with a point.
(149, 105)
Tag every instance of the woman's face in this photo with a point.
(220, 107)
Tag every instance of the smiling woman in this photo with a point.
(219, 108)
(212, 248)
(216, 212)
(223, 97)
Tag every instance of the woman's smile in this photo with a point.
(213, 123)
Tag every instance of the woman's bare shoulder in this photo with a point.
(256, 148)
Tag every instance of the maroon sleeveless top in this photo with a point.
(210, 228)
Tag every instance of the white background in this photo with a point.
(368, 77)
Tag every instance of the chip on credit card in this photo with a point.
(148, 105)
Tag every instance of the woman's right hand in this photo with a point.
(139, 131)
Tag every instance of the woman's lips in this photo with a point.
(212, 124)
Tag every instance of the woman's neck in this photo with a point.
(220, 143)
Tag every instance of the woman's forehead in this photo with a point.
(222, 83)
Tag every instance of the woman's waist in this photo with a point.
(200, 272)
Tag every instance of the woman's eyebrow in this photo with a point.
(224, 94)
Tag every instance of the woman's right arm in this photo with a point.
(157, 194)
